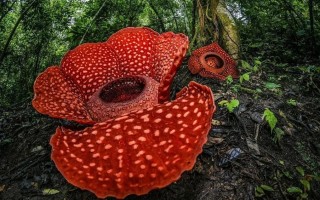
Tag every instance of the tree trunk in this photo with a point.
(216, 24)
(229, 34)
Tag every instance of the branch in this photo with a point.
(90, 25)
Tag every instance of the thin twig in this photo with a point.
(90, 25)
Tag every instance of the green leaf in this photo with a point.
(294, 190)
(267, 188)
(316, 176)
(245, 77)
(269, 116)
(232, 105)
(281, 162)
(257, 62)
(300, 170)
(306, 184)
(259, 192)
(279, 133)
(292, 102)
(256, 45)
(229, 79)
(287, 174)
(271, 85)
(245, 65)
(50, 191)
(223, 102)
(304, 196)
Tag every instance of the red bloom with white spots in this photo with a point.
(135, 144)
(213, 62)
(64, 92)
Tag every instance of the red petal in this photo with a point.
(90, 66)
(58, 97)
(138, 152)
(135, 49)
(195, 65)
(171, 48)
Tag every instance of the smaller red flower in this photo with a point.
(213, 62)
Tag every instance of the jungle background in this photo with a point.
(276, 44)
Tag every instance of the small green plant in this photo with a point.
(305, 180)
(231, 105)
(269, 116)
(262, 189)
(272, 86)
(245, 65)
(292, 102)
(272, 120)
(278, 134)
(229, 80)
(245, 77)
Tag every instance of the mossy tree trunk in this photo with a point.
(216, 24)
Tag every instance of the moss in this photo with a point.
(228, 31)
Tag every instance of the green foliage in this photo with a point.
(292, 102)
(50, 191)
(274, 33)
(245, 76)
(229, 80)
(231, 105)
(294, 190)
(262, 189)
(247, 67)
(272, 120)
(271, 86)
(278, 134)
(50, 28)
(305, 181)
(269, 116)
(300, 170)
(278, 31)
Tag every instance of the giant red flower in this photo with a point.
(139, 141)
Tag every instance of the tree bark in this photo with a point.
(216, 24)
(229, 38)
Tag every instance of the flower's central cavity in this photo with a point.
(123, 89)
(212, 60)
(122, 96)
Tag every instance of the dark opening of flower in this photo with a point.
(123, 89)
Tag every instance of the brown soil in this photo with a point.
(26, 168)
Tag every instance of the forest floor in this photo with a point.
(242, 159)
